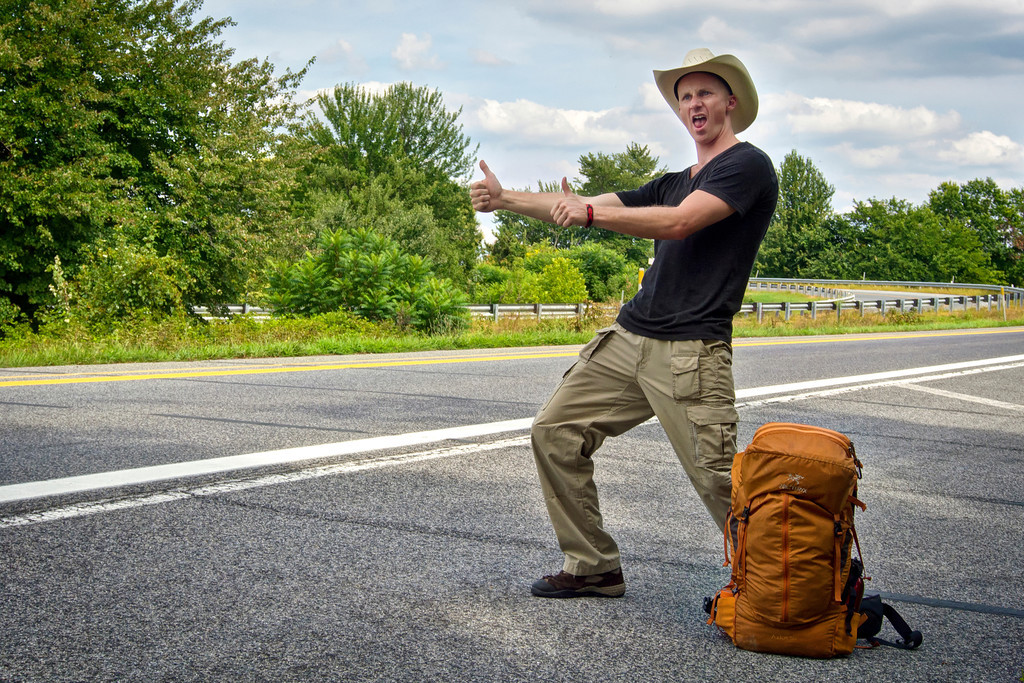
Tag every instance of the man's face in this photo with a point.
(704, 102)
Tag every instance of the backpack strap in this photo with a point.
(911, 639)
(874, 610)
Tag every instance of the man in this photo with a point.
(669, 352)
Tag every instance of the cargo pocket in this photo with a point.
(594, 344)
(685, 378)
(716, 382)
(714, 435)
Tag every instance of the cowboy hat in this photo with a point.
(726, 67)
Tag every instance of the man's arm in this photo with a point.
(699, 210)
(488, 195)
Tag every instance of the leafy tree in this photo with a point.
(399, 149)
(125, 122)
(994, 216)
(366, 273)
(797, 232)
(894, 240)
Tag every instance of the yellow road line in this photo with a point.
(85, 378)
(227, 372)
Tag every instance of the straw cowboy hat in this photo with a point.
(723, 66)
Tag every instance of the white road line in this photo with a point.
(285, 456)
(905, 382)
(141, 500)
(875, 377)
(288, 456)
(967, 398)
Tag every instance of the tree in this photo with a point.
(797, 232)
(399, 148)
(894, 240)
(124, 123)
(994, 216)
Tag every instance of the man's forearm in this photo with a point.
(696, 212)
(533, 204)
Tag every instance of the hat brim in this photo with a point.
(727, 67)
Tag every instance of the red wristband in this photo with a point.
(590, 216)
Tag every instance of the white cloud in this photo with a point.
(833, 116)
(413, 52)
(875, 157)
(529, 122)
(983, 149)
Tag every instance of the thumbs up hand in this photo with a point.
(569, 209)
(486, 194)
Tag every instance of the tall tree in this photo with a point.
(797, 231)
(402, 147)
(125, 122)
(895, 240)
(994, 216)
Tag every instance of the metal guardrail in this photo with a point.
(883, 306)
(836, 301)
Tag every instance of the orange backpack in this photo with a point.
(791, 531)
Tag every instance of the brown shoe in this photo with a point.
(566, 585)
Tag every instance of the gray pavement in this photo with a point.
(420, 570)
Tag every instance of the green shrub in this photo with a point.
(606, 272)
(561, 282)
(118, 283)
(366, 273)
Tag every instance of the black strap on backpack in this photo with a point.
(875, 612)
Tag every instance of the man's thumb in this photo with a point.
(565, 187)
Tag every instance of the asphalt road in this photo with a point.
(385, 522)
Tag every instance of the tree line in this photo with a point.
(144, 171)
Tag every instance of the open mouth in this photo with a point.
(699, 121)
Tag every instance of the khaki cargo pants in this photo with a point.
(621, 380)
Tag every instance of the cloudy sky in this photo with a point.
(888, 98)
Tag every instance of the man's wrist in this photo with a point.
(590, 215)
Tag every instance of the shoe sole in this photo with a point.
(587, 592)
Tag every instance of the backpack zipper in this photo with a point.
(786, 498)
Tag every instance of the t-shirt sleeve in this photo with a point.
(739, 180)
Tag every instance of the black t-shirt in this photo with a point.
(695, 285)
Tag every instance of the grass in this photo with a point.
(779, 297)
(180, 340)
